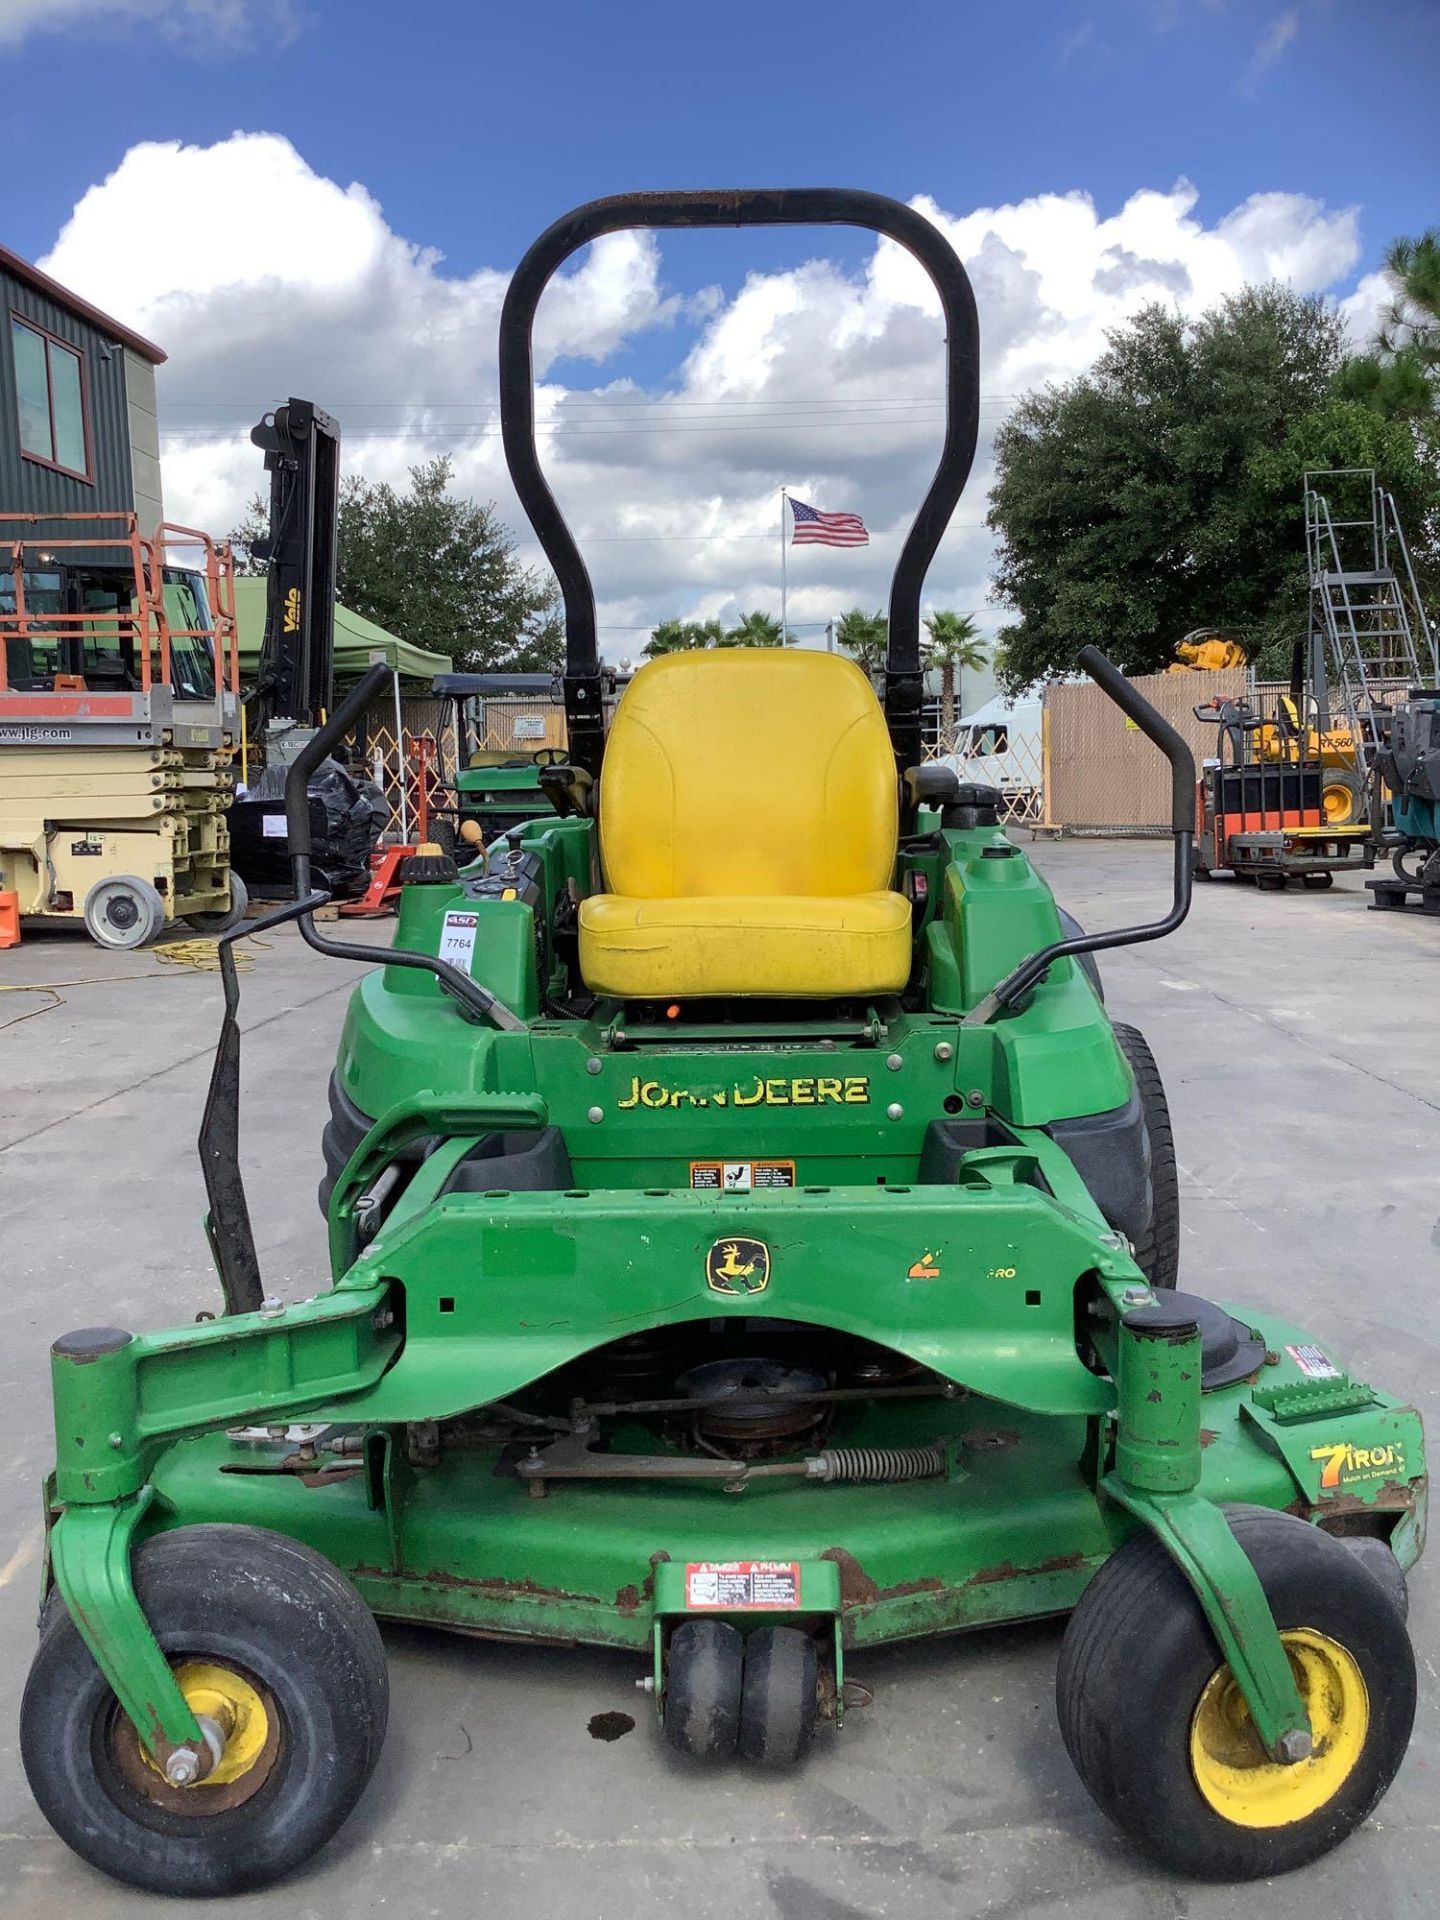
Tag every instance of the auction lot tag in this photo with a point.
(739, 1584)
(272, 826)
(740, 1176)
(457, 939)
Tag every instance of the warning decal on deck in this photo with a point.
(740, 1176)
(738, 1584)
(1314, 1361)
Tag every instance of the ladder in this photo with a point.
(1365, 609)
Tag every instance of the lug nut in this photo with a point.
(182, 1769)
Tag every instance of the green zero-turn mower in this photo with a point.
(752, 1243)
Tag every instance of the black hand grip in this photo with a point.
(317, 748)
(1108, 677)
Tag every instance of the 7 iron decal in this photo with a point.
(1347, 1466)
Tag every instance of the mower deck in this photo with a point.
(1012, 1530)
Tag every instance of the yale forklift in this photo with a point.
(295, 682)
(752, 1243)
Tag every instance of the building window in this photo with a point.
(50, 384)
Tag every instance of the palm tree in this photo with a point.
(755, 630)
(683, 636)
(865, 637)
(954, 647)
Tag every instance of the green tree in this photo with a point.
(955, 648)
(1400, 376)
(1143, 499)
(250, 537)
(684, 636)
(864, 636)
(442, 572)
(755, 630)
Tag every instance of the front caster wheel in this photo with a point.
(281, 1661)
(1319, 882)
(1159, 1732)
(778, 1702)
(702, 1688)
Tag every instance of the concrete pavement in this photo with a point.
(1299, 1043)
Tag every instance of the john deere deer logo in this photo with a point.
(738, 1266)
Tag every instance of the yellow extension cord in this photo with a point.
(203, 956)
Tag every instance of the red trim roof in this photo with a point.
(63, 297)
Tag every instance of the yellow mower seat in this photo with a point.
(748, 822)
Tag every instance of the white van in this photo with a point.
(999, 746)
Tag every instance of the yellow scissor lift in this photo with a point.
(119, 720)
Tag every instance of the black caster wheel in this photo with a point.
(1270, 882)
(779, 1702)
(281, 1660)
(1319, 882)
(1161, 1736)
(702, 1689)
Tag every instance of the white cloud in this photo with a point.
(1075, 41)
(822, 379)
(1272, 43)
(200, 26)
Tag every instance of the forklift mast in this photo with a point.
(295, 683)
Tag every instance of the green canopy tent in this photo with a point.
(358, 641)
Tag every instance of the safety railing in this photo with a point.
(141, 633)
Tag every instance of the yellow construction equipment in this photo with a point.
(119, 719)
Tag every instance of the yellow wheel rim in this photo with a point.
(1233, 1771)
(234, 1706)
(1337, 804)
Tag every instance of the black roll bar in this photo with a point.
(740, 207)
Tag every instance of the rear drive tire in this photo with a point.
(268, 1635)
(123, 913)
(1157, 1251)
(1377, 1559)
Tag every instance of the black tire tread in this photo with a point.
(1157, 1252)
(778, 1701)
(702, 1690)
(1121, 1611)
(208, 1586)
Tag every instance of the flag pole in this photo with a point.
(784, 624)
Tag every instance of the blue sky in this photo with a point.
(475, 123)
(469, 127)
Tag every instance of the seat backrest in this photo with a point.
(748, 771)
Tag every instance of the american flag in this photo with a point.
(816, 529)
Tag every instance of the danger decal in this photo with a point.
(742, 1585)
